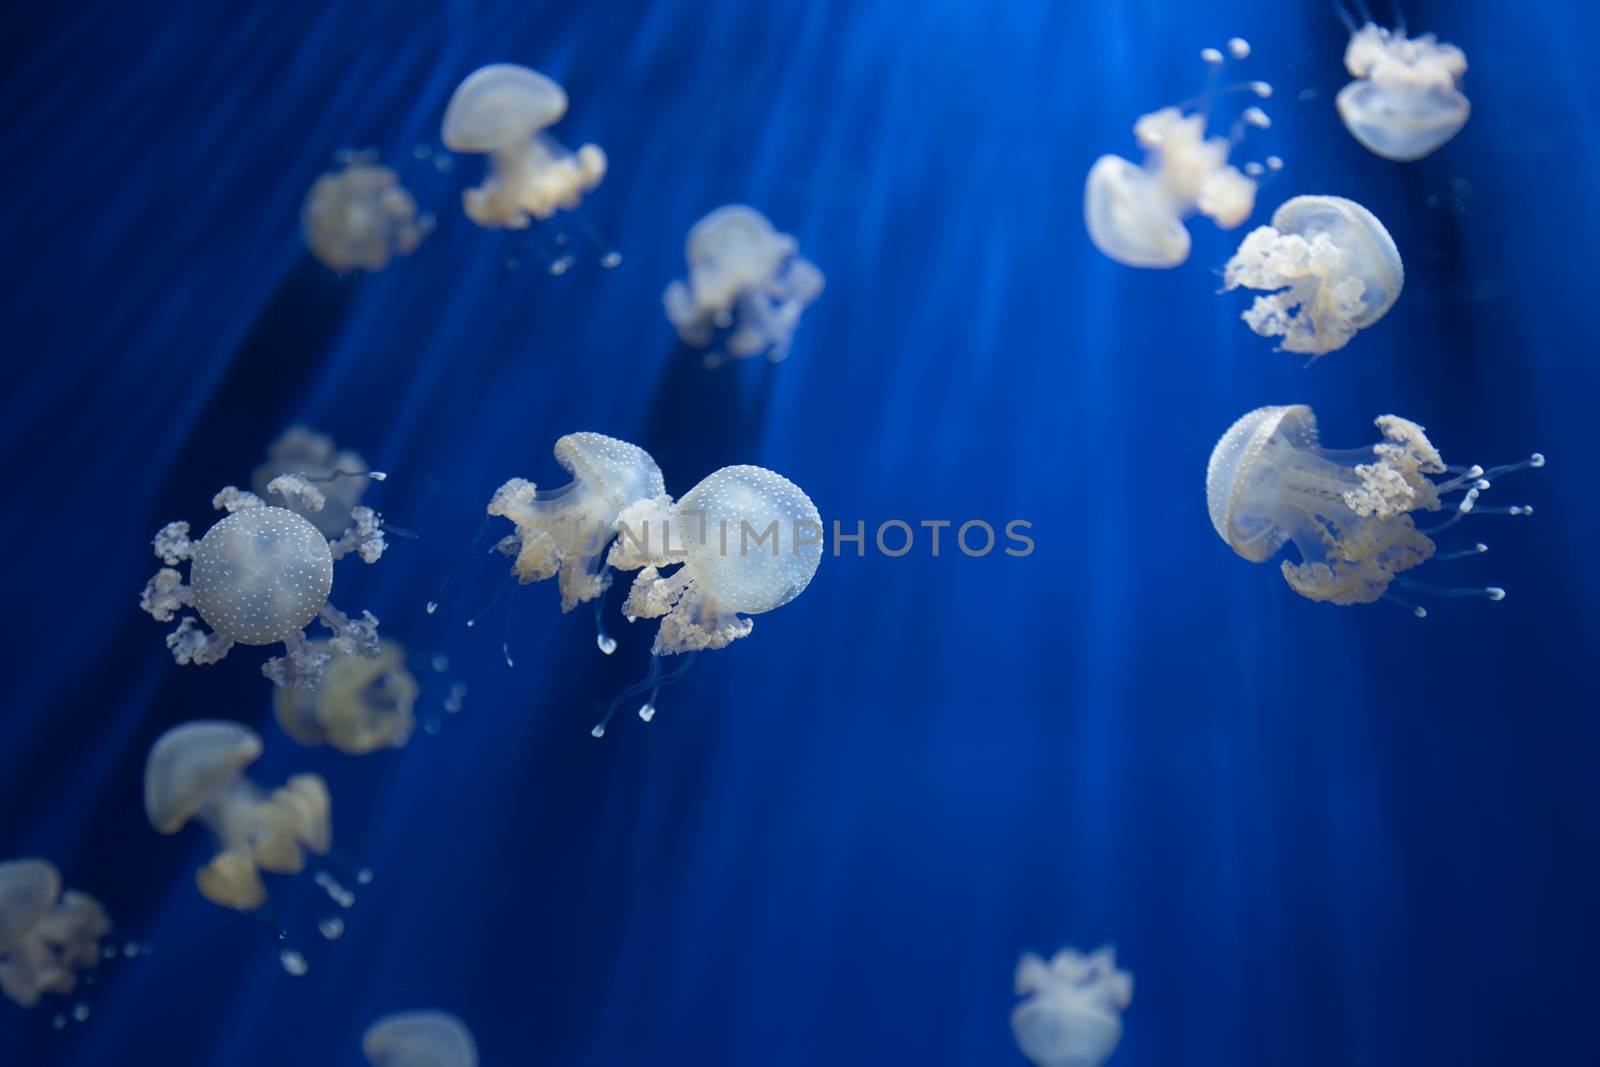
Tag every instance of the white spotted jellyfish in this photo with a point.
(419, 1039)
(47, 937)
(1406, 100)
(360, 217)
(1349, 513)
(340, 474)
(1072, 1014)
(361, 706)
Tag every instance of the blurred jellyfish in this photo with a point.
(1348, 512)
(420, 1039)
(746, 277)
(1331, 267)
(361, 216)
(1135, 214)
(362, 704)
(259, 576)
(1406, 100)
(1072, 1016)
(502, 111)
(46, 936)
(341, 475)
(196, 771)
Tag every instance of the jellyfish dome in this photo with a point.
(420, 1039)
(1348, 513)
(1072, 1016)
(1329, 268)
(501, 111)
(339, 474)
(47, 937)
(746, 278)
(361, 217)
(362, 704)
(1406, 100)
(195, 772)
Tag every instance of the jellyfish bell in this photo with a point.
(420, 1039)
(47, 937)
(361, 217)
(1072, 1014)
(341, 475)
(1406, 100)
(361, 706)
(1130, 218)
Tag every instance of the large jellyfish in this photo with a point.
(1348, 512)
(1406, 100)
(196, 771)
(362, 704)
(361, 216)
(420, 1039)
(341, 475)
(1330, 267)
(1135, 214)
(46, 936)
(1072, 1016)
(259, 576)
(745, 277)
(502, 111)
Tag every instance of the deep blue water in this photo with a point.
(1316, 835)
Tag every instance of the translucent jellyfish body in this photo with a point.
(420, 1039)
(1348, 513)
(1406, 100)
(362, 704)
(1072, 1016)
(1330, 267)
(502, 111)
(1135, 214)
(46, 936)
(260, 576)
(361, 216)
(746, 278)
(341, 475)
(196, 772)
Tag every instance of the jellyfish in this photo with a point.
(361, 216)
(1330, 269)
(46, 936)
(745, 277)
(362, 704)
(1135, 214)
(420, 1039)
(341, 475)
(1349, 513)
(260, 575)
(196, 771)
(1072, 1016)
(1406, 99)
(502, 111)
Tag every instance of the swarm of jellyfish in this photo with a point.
(420, 1039)
(1072, 1014)
(47, 937)
(361, 216)
(362, 704)
(502, 111)
(745, 278)
(340, 474)
(1135, 214)
(1406, 99)
(1349, 512)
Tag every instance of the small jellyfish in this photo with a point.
(361, 216)
(196, 771)
(46, 936)
(420, 1039)
(1135, 214)
(502, 111)
(744, 277)
(1348, 512)
(260, 575)
(1330, 268)
(1072, 1016)
(341, 475)
(1406, 100)
(362, 704)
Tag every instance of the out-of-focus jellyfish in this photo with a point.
(502, 111)
(1135, 214)
(420, 1039)
(362, 704)
(1072, 1016)
(361, 216)
(46, 936)
(1406, 100)
(340, 474)
(259, 576)
(1348, 512)
(1330, 267)
(744, 277)
(196, 771)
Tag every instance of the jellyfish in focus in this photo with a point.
(1329, 269)
(1406, 100)
(1348, 512)
(362, 704)
(1072, 1016)
(1135, 214)
(196, 772)
(260, 575)
(420, 1039)
(502, 111)
(744, 277)
(46, 936)
(361, 216)
(341, 475)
